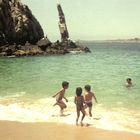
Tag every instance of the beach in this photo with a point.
(53, 131)
(35, 62)
(27, 85)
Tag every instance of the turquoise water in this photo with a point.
(29, 81)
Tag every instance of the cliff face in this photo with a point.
(17, 24)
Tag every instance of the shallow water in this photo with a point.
(28, 83)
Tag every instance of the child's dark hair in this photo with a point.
(65, 84)
(87, 87)
(78, 91)
(129, 79)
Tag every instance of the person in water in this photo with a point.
(79, 101)
(89, 95)
(60, 95)
(128, 82)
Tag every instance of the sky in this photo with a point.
(89, 19)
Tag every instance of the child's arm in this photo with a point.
(95, 98)
(83, 98)
(75, 100)
(56, 94)
(62, 95)
(65, 98)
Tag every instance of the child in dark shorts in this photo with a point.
(88, 99)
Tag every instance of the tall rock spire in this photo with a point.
(62, 24)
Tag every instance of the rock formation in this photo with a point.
(22, 35)
(17, 24)
(62, 24)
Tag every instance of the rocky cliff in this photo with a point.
(17, 24)
(22, 35)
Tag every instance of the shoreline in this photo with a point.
(51, 131)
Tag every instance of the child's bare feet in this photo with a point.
(87, 124)
(82, 124)
(76, 123)
(61, 113)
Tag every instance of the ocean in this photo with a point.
(27, 85)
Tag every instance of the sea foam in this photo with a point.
(42, 110)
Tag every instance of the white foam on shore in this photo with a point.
(42, 110)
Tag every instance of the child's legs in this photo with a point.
(83, 112)
(55, 104)
(61, 104)
(90, 111)
(78, 114)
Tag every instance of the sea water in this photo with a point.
(28, 83)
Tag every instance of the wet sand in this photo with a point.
(55, 131)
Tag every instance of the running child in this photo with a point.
(60, 95)
(88, 99)
(79, 101)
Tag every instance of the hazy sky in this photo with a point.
(89, 19)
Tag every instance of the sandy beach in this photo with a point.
(55, 131)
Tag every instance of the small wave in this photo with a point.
(17, 94)
(42, 110)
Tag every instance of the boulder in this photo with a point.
(44, 43)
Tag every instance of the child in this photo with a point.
(60, 95)
(128, 82)
(88, 98)
(79, 101)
